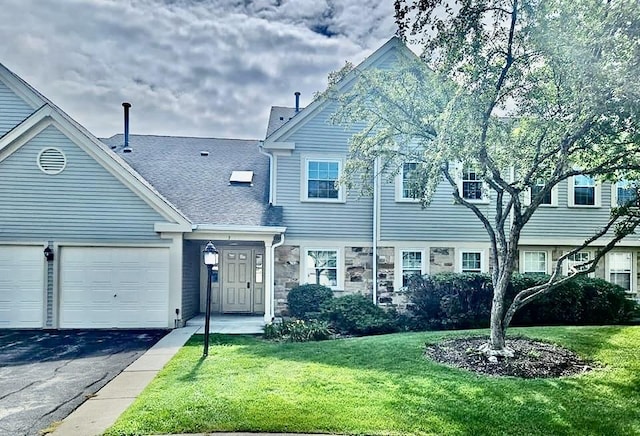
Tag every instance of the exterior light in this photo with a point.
(210, 257)
(48, 254)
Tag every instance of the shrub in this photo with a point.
(305, 301)
(357, 315)
(298, 331)
(456, 301)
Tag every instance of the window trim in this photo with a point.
(460, 251)
(304, 271)
(633, 291)
(565, 264)
(400, 187)
(571, 185)
(304, 182)
(424, 269)
(460, 166)
(554, 197)
(614, 191)
(523, 263)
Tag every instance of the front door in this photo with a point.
(237, 281)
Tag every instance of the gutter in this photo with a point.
(272, 274)
(376, 200)
(270, 156)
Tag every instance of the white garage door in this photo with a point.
(104, 287)
(21, 286)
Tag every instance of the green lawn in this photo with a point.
(383, 385)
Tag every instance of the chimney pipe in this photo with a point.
(126, 107)
(297, 94)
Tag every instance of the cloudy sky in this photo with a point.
(188, 67)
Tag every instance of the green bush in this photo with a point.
(456, 301)
(305, 301)
(298, 331)
(357, 315)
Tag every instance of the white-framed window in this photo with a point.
(623, 192)
(471, 184)
(549, 199)
(404, 191)
(576, 261)
(584, 191)
(412, 262)
(322, 267)
(320, 180)
(471, 261)
(534, 262)
(620, 269)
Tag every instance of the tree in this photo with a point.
(528, 93)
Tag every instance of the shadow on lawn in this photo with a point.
(428, 397)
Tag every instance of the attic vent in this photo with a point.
(204, 153)
(51, 161)
(241, 177)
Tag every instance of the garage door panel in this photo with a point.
(21, 286)
(117, 287)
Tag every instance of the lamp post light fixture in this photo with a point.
(210, 256)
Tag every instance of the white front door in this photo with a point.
(21, 286)
(105, 287)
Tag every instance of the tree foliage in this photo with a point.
(526, 92)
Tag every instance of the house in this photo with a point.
(109, 233)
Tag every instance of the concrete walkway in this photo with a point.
(98, 413)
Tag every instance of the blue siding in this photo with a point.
(190, 279)
(13, 110)
(84, 202)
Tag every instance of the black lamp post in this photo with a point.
(210, 255)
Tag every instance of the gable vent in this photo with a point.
(51, 161)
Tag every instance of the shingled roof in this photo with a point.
(278, 117)
(193, 174)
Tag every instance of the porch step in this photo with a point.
(229, 324)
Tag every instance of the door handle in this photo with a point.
(248, 285)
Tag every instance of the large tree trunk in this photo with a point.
(496, 345)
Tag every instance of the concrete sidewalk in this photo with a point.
(99, 412)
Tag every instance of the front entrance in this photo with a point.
(240, 287)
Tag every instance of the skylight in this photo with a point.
(241, 177)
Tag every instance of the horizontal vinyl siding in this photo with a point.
(441, 220)
(351, 219)
(190, 279)
(13, 110)
(82, 202)
(569, 222)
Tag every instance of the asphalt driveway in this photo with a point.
(45, 375)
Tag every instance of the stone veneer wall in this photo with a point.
(442, 259)
(358, 270)
(286, 275)
(386, 275)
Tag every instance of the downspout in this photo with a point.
(273, 274)
(376, 200)
(270, 156)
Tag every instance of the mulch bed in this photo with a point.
(532, 359)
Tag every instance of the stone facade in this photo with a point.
(287, 275)
(442, 259)
(358, 270)
(386, 263)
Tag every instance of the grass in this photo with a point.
(382, 385)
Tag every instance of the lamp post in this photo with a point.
(210, 255)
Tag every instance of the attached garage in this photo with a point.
(21, 286)
(107, 287)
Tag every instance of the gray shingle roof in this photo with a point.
(278, 117)
(199, 185)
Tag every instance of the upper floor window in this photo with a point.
(320, 183)
(471, 184)
(584, 191)
(408, 192)
(624, 193)
(471, 261)
(537, 188)
(534, 262)
(321, 267)
(412, 264)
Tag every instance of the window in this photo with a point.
(321, 178)
(407, 177)
(620, 269)
(536, 188)
(471, 262)
(322, 267)
(534, 262)
(584, 191)
(576, 261)
(259, 267)
(471, 184)
(624, 193)
(412, 264)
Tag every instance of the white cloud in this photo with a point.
(189, 67)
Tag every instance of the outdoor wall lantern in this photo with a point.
(210, 255)
(48, 254)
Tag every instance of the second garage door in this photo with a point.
(105, 287)
(21, 286)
